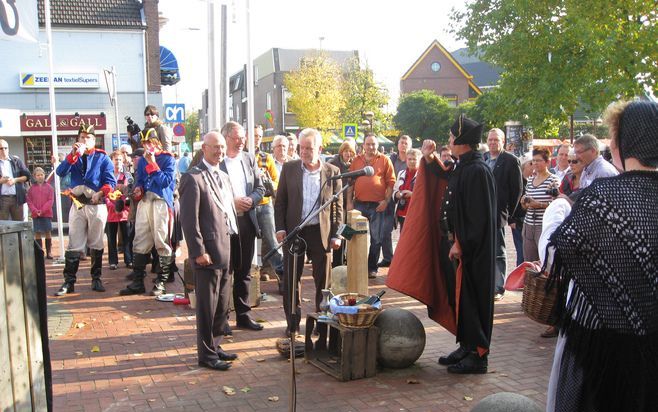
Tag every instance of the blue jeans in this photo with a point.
(265, 215)
(518, 244)
(380, 226)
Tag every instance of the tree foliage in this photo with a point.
(192, 128)
(423, 114)
(316, 97)
(362, 94)
(559, 55)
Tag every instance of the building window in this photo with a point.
(286, 96)
(237, 112)
(452, 99)
(268, 101)
(255, 75)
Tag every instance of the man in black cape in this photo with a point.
(459, 223)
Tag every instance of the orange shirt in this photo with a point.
(373, 188)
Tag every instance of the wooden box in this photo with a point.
(22, 373)
(342, 352)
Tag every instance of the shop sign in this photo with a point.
(61, 80)
(65, 122)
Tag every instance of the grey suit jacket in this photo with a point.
(204, 216)
(255, 189)
(289, 199)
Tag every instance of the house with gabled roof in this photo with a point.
(450, 75)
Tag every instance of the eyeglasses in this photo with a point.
(574, 162)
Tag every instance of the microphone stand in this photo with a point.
(297, 250)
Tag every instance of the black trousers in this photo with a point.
(242, 275)
(320, 257)
(212, 298)
(112, 231)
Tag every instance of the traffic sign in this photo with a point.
(179, 129)
(174, 113)
(350, 130)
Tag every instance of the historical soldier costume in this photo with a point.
(92, 178)
(457, 218)
(154, 188)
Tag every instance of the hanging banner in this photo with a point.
(18, 21)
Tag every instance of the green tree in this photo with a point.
(362, 94)
(557, 56)
(192, 130)
(315, 89)
(425, 115)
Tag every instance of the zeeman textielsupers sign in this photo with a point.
(61, 80)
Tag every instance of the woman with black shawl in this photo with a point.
(605, 265)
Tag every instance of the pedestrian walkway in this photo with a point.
(132, 353)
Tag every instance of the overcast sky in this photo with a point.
(389, 35)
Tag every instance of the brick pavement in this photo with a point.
(147, 358)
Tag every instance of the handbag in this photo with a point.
(267, 179)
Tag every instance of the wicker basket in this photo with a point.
(363, 319)
(536, 303)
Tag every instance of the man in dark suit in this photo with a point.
(304, 186)
(248, 191)
(509, 187)
(209, 224)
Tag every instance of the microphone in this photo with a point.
(366, 171)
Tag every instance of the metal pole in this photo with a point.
(250, 86)
(116, 106)
(53, 128)
(223, 89)
(212, 69)
(571, 128)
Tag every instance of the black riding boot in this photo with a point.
(49, 248)
(165, 266)
(96, 270)
(139, 272)
(71, 263)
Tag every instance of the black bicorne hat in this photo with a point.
(89, 129)
(466, 131)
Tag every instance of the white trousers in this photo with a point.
(152, 226)
(87, 227)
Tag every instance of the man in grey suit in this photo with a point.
(210, 228)
(305, 185)
(248, 191)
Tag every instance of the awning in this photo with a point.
(168, 67)
(381, 139)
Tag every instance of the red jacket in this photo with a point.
(41, 197)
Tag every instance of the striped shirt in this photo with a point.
(533, 215)
(310, 193)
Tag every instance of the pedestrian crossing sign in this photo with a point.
(350, 130)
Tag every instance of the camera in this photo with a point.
(553, 191)
(132, 128)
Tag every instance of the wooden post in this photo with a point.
(357, 254)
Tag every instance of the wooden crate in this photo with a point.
(342, 352)
(22, 376)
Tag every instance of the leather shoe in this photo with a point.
(551, 332)
(66, 288)
(225, 356)
(227, 330)
(217, 364)
(97, 285)
(372, 274)
(471, 364)
(245, 322)
(454, 357)
(384, 264)
(498, 296)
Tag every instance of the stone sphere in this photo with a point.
(339, 280)
(401, 338)
(506, 402)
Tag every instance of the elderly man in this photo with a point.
(280, 151)
(248, 191)
(92, 178)
(13, 175)
(509, 188)
(210, 228)
(305, 185)
(370, 195)
(587, 152)
(292, 147)
(562, 166)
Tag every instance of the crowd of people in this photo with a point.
(590, 227)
